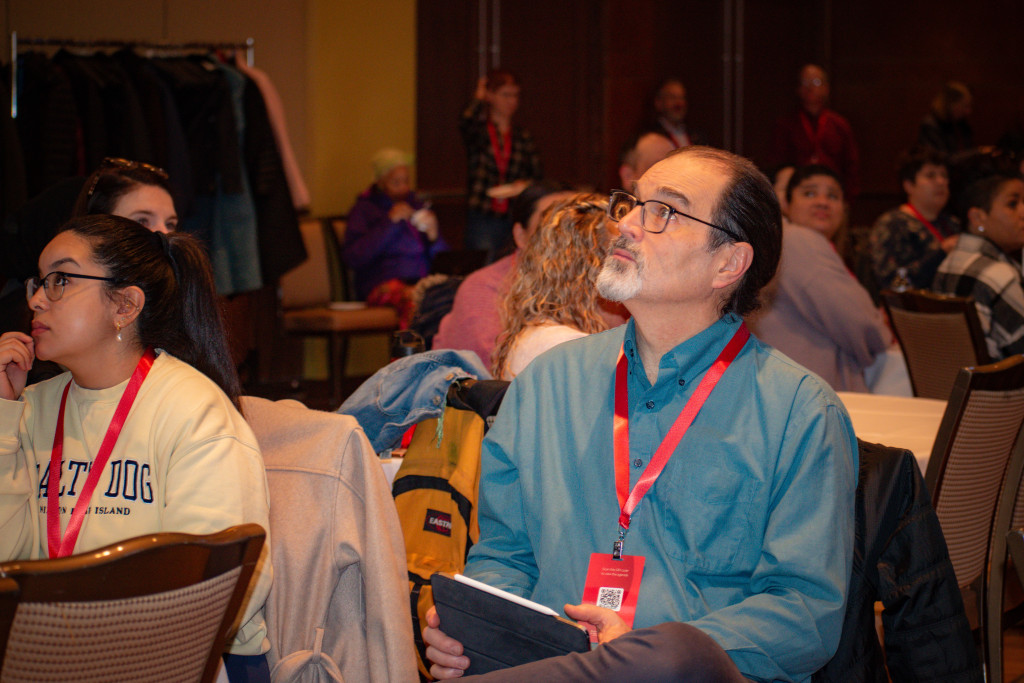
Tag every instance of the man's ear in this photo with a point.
(736, 259)
(627, 174)
(130, 301)
(907, 187)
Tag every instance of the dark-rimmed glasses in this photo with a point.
(117, 162)
(53, 284)
(658, 214)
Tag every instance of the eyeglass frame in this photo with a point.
(111, 163)
(672, 211)
(35, 283)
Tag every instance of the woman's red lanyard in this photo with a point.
(502, 155)
(628, 500)
(62, 546)
(924, 221)
(813, 133)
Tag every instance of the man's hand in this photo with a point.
(444, 652)
(481, 88)
(17, 351)
(609, 624)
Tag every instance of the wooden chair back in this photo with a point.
(154, 608)
(1007, 522)
(968, 462)
(939, 335)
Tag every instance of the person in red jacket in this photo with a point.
(815, 134)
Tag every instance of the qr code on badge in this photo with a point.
(610, 597)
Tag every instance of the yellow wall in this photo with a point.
(361, 61)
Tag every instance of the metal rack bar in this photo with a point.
(249, 45)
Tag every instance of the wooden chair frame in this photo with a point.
(319, 319)
(1006, 375)
(924, 302)
(1003, 547)
(143, 566)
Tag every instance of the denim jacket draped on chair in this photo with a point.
(407, 391)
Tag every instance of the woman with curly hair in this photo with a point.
(553, 298)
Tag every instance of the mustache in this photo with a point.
(622, 243)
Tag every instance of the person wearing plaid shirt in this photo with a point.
(980, 265)
(502, 159)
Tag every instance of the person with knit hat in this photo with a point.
(392, 236)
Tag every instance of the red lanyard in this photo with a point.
(502, 155)
(675, 434)
(814, 133)
(62, 546)
(927, 223)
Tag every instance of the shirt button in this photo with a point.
(650, 405)
(682, 381)
(638, 463)
(437, 400)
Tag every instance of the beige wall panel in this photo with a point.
(85, 19)
(361, 92)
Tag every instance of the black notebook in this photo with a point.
(495, 630)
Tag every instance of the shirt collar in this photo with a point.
(690, 359)
(986, 247)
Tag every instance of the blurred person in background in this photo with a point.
(816, 312)
(909, 242)
(553, 297)
(391, 236)
(502, 159)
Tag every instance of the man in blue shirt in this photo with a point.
(747, 529)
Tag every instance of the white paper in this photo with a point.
(536, 606)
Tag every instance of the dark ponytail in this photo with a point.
(181, 314)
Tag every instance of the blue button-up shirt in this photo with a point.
(747, 534)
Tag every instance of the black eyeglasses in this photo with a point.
(53, 284)
(621, 203)
(118, 162)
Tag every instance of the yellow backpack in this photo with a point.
(435, 491)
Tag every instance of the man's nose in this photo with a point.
(630, 224)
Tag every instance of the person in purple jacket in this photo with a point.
(391, 234)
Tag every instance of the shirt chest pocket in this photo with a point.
(711, 518)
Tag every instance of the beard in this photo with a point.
(621, 280)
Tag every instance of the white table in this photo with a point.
(902, 421)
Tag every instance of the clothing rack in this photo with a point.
(249, 45)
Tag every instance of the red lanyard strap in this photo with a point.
(814, 132)
(62, 546)
(502, 156)
(620, 426)
(927, 223)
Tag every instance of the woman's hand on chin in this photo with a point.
(17, 351)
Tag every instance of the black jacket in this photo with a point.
(900, 558)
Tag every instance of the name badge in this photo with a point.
(614, 584)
